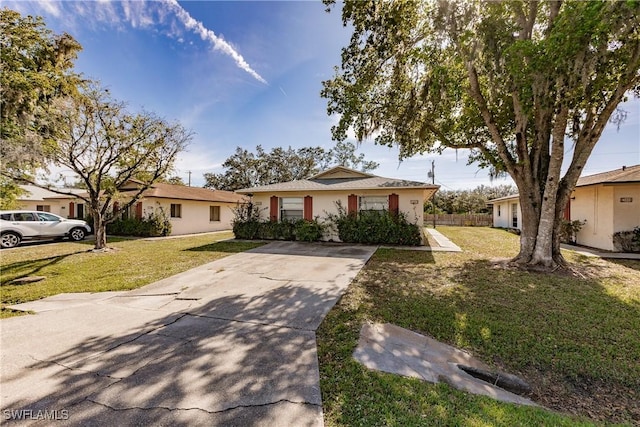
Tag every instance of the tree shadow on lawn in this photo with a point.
(629, 263)
(226, 247)
(15, 270)
(237, 359)
(572, 339)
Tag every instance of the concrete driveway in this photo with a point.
(231, 342)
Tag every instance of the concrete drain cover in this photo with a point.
(390, 348)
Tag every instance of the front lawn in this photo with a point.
(71, 267)
(576, 340)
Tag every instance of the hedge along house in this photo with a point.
(190, 209)
(608, 202)
(321, 194)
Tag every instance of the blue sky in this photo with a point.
(242, 73)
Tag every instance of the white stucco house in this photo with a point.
(606, 202)
(609, 202)
(191, 209)
(506, 212)
(354, 190)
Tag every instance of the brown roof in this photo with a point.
(626, 174)
(182, 192)
(347, 179)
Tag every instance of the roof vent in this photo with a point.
(624, 168)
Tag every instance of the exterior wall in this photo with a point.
(504, 220)
(58, 207)
(195, 215)
(626, 214)
(594, 204)
(324, 202)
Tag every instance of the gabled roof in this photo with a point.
(340, 178)
(626, 174)
(182, 192)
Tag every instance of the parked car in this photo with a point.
(16, 226)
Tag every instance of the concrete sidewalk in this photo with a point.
(600, 254)
(231, 342)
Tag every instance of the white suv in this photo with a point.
(16, 226)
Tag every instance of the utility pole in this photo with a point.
(189, 178)
(432, 174)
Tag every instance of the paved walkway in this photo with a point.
(231, 342)
(594, 253)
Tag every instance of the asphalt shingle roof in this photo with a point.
(619, 176)
(182, 192)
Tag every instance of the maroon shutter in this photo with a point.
(308, 208)
(567, 211)
(139, 210)
(352, 205)
(394, 204)
(71, 210)
(116, 208)
(273, 208)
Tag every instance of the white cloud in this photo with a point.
(217, 42)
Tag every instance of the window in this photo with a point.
(214, 213)
(5, 216)
(43, 208)
(24, 216)
(48, 217)
(291, 208)
(514, 215)
(374, 203)
(498, 210)
(176, 210)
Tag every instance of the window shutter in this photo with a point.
(567, 211)
(394, 204)
(352, 205)
(71, 210)
(116, 208)
(273, 208)
(139, 210)
(308, 208)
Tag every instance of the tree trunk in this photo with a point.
(99, 231)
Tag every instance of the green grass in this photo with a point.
(574, 339)
(72, 267)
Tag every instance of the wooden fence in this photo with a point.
(471, 220)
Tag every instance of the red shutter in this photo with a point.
(352, 205)
(139, 210)
(71, 210)
(273, 208)
(394, 204)
(308, 208)
(567, 211)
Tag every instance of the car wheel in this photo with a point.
(10, 240)
(77, 234)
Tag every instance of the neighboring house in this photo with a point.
(609, 202)
(319, 195)
(190, 209)
(38, 199)
(506, 212)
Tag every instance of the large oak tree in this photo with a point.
(519, 83)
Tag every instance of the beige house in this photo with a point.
(320, 195)
(38, 199)
(190, 209)
(609, 202)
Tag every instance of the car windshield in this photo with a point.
(47, 217)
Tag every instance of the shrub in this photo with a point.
(627, 241)
(569, 229)
(155, 224)
(374, 227)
